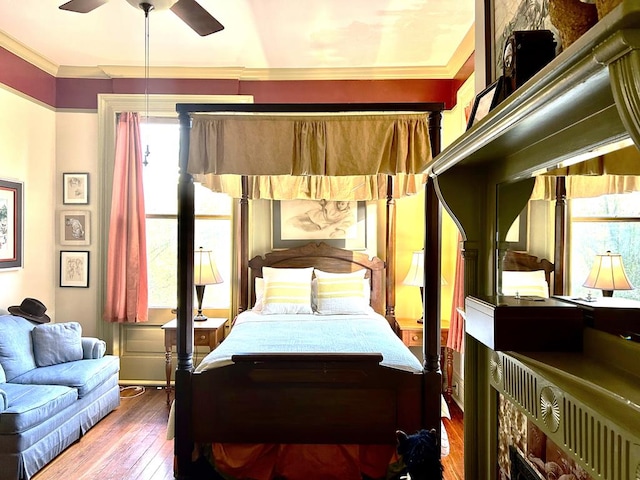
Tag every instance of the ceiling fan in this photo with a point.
(189, 11)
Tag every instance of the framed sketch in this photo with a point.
(75, 227)
(75, 188)
(74, 269)
(337, 223)
(485, 101)
(11, 224)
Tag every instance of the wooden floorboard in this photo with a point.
(454, 462)
(130, 443)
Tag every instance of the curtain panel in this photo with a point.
(127, 284)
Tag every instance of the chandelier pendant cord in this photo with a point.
(147, 8)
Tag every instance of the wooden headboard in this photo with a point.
(328, 259)
(524, 262)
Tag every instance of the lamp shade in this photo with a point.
(415, 275)
(205, 271)
(607, 274)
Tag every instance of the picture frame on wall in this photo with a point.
(75, 188)
(339, 224)
(74, 268)
(11, 224)
(75, 227)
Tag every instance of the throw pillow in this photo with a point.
(55, 343)
(341, 293)
(287, 290)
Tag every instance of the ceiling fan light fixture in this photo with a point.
(155, 4)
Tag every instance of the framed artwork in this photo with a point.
(339, 224)
(485, 101)
(75, 227)
(11, 224)
(74, 269)
(75, 188)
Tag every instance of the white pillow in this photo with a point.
(366, 291)
(287, 290)
(258, 288)
(525, 283)
(341, 293)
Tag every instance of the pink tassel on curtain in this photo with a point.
(455, 339)
(127, 286)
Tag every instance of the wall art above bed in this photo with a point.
(341, 224)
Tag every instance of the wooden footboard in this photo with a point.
(305, 398)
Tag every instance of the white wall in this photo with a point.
(77, 152)
(27, 154)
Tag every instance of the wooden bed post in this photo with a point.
(560, 236)
(390, 280)
(242, 239)
(183, 444)
(431, 299)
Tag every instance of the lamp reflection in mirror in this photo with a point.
(205, 273)
(607, 274)
(415, 276)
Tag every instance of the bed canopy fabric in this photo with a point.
(286, 157)
(614, 172)
(315, 187)
(329, 145)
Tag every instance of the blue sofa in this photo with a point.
(54, 386)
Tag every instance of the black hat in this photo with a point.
(31, 309)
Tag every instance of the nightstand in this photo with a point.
(411, 332)
(207, 333)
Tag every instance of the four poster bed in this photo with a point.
(325, 394)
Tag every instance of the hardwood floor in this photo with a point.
(454, 462)
(129, 443)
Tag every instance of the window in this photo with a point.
(608, 222)
(212, 223)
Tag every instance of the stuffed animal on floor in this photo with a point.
(421, 454)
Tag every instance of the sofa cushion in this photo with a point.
(3, 376)
(93, 347)
(16, 350)
(55, 343)
(30, 405)
(84, 375)
(4, 402)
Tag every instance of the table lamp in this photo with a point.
(415, 275)
(608, 275)
(205, 273)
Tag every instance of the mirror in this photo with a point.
(511, 222)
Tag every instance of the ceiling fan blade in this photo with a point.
(82, 6)
(192, 13)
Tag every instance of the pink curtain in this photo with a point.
(127, 286)
(455, 339)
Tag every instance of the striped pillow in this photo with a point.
(287, 290)
(341, 293)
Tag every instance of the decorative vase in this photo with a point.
(572, 18)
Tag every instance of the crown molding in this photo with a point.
(21, 50)
(446, 72)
